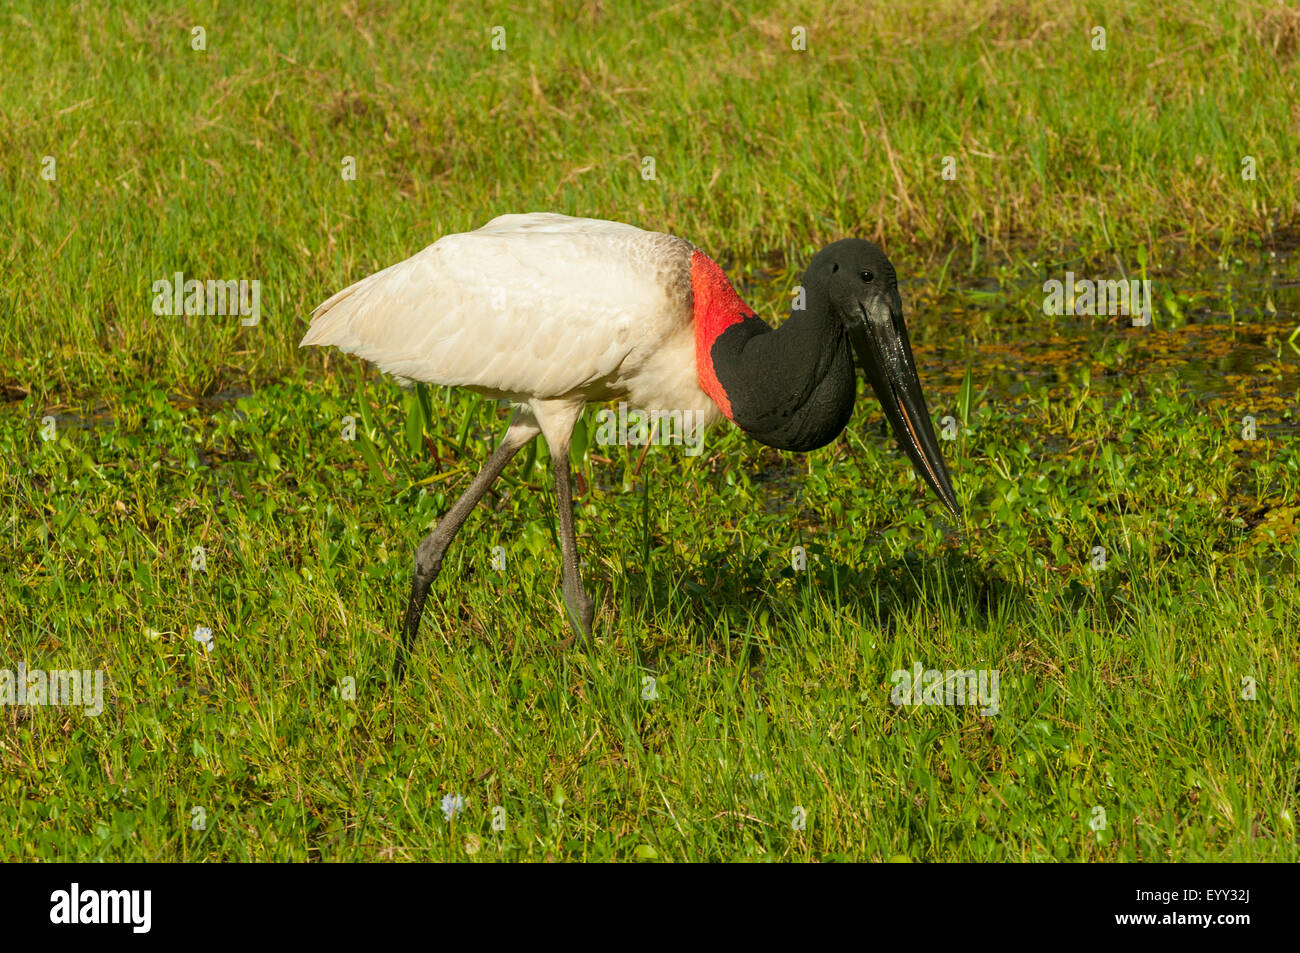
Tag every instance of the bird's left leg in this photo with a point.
(580, 607)
(428, 556)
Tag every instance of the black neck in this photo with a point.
(793, 387)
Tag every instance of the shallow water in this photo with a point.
(1223, 328)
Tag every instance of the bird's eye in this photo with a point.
(868, 276)
(835, 266)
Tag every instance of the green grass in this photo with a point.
(1121, 688)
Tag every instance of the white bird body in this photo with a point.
(545, 310)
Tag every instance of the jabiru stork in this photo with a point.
(553, 312)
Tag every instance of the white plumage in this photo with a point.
(542, 309)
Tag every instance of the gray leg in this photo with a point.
(580, 607)
(428, 556)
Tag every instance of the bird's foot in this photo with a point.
(406, 636)
(581, 612)
(428, 563)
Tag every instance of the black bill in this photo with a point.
(880, 339)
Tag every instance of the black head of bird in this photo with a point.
(793, 388)
(862, 291)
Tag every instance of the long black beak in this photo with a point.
(879, 337)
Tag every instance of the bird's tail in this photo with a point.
(332, 324)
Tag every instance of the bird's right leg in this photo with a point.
(428, 556)
(577, 603)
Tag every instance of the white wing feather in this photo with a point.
(528, 306)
